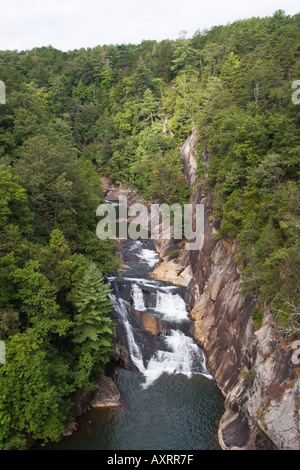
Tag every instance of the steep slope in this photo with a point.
(254, 368)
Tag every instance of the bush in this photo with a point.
(174, 254)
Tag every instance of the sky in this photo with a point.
(72, 24)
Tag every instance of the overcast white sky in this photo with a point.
(72, 24)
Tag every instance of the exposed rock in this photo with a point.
(189, 158)
(117, 192)
(258, 380)
(148, 322)
(100, 391)
(107, 393)
(122, 356)
(72, 426)
(173, 271)
(253, 369)
(82, 401)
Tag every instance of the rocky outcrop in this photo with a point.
(189, 158)
(107, 394)
(101, 393)
(177, 271)
(253, 368)
(148, 322)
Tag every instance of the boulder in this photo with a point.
(107, 393)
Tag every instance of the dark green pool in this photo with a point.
(174, 413)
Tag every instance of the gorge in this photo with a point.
(170, 400)
(252, 367)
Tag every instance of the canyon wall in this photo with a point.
(254, 368)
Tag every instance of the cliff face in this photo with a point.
(253, 368)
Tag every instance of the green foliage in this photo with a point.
(92, 327)
(248, 125)
(257, 316)
(49, 193)
(184, 58)
(173, 254)
(124, 111)
(13, 200)
(33, 388)
(157, 167)
(9, 323)
(249, 378)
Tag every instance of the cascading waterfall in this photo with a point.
(181, 357)
(171, 307)
(138, 298)
(121, 307)
(176, 353)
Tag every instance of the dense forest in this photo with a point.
(123, 111)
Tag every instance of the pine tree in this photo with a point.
(144, 78)
(184, 56)
(149, 106)
(93, 328)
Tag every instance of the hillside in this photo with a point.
(125, 111)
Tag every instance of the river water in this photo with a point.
(171, 401)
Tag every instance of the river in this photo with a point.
(171, 401)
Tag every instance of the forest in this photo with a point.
(123, 111)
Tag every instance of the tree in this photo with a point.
(12, 197)
(83, 93)
(92, 327)
(15, 216)
(184, 56)
(33, 392)
(35, 298)
(144, 78)
(42, 167)
(9, 323)
(230, 68)
(149, 106)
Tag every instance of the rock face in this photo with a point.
(189, 158)
(254, 369)
(107, 394)
(148, 322)
(177, 271)
(102, 392)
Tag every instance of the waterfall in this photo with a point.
(138, 298)
(121, 307)
(174, 351)
(176, 354)
(182, 356)
(171, 307)
(149, 256)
